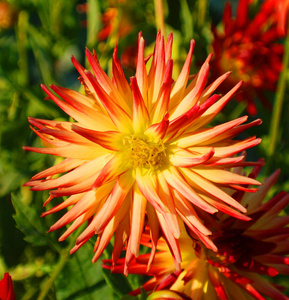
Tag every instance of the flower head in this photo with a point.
(142, 153)
(8, 15)
(249, 49)
(246, 252)
(6, 288)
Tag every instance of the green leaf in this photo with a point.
(128, 297)
(144, 294)
(187, 21)
(28, 221)
(117, 282)
(81, 279)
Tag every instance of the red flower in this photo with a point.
(248, 48)
(246, 252)
(279, 10)
(6, 288)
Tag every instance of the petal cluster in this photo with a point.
(250, 49)
(246, 252)
(142, 153)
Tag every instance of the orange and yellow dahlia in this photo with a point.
(248, 48)
(142, 153)
(246, 252)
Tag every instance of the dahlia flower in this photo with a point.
(248, 48)
(6, 288)
(246, 252)
(142, 153)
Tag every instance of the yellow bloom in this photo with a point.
(142, 153)
(246, 252)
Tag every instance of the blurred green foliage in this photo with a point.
(36, 49)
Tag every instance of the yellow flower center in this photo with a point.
(144, 153)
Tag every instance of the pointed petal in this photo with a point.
(140, 115)
(71, 151)
(110, 140)
(83, 186)
(161, 106)
(147, 184)
(70, 201)
(105, 82)
(137, 220)
(189, 215)
(113, 168)
(81, 207)
(158, 131)
(110, 229)
(171, 241)
(236, 147)
(206, 186)
(120, 82)
(171, 218)
(141, 73)
(208, 134)
(213, 86)
(191, 99)
(176, 181)
(224, 177)
(157, 70)
(186, 159)
(154, 232)
(110, 207)
(66, 136)
(169, 46)
(118, 116)
(65, 166)
(77, 223)
(91, 118)
(78, 175)
(214, 109)
(181, 83)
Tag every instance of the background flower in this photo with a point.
(248, 47)
(246, 252)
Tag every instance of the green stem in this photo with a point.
(64, 258)
(159, 15)
(21, 42)
(57, 270)
(239, 109)
(202, 8)
(277, 109)
(93, 22)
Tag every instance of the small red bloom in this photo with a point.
(248, 48)
(6, 288)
